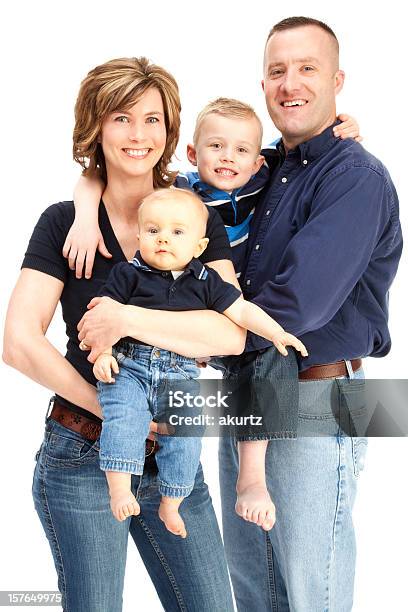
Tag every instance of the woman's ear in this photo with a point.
(191, 154)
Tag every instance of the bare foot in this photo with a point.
(123, 504)
(254, 504)
(169, 514)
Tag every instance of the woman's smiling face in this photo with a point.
(133, 140)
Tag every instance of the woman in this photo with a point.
(127, 124)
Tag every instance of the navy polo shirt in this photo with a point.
(324, 248)
(197, 288)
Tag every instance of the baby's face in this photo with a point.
(227, 151)
(171, 233)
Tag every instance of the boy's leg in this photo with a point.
(124, 431)
(308, 562)
(254, 503)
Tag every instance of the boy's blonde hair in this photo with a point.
(230, 108)
(116, 86)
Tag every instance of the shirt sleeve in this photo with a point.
(218, 246)
(121, 283)
(220, 294)
(353, 219)
(44, 251)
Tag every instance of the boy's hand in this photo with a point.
(81, 244)
(104, 366)
(282, 339)
(349, 128)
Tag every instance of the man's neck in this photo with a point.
(291, 142)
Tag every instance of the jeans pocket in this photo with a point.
(69, 449)
(359, 450)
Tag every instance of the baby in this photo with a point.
(165, 275)
(231, 176)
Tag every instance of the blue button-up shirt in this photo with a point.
(324, 249)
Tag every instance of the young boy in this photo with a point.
(165, 275)
(231, 175)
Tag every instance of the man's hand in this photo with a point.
(103, 325)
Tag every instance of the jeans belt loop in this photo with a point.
(349, 368)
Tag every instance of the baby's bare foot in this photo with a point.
(168, 512)
(123, 504)
(254, 504)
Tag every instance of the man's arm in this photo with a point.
(353, 217)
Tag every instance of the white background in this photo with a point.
(213, 49)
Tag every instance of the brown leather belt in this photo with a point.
(86, 427)
(329, 370)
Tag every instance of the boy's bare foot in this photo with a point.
(254, 504)
(123, 504)
(169, 514)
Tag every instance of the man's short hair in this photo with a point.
(230, 108)
(299, 22)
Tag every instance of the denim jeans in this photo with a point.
(265, 384)
(89, 545)
(139, 394)
(306, 562)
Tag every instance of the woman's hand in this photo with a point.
(83, 240)
(103, 325)
(349, 128)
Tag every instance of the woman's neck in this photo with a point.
(122, 196)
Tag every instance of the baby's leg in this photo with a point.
(169, 514)
(122, 501)
(254, 503)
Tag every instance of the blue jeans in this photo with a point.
(265, 384)
(306, 562)
(139, 394)
(89, 545)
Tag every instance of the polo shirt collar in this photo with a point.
(200, 187)
(313, 148)
(194, 267)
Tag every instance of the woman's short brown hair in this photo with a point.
(117, 85)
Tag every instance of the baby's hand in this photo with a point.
(103, 367)
(81, 244)
(349, 128)
(283, 339)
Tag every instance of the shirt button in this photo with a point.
(268, 212)
(156, 353)
(305, 162)
(257, 247)
(164, 273)
(284, 179)
(248, 282)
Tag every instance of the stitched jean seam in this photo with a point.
(165, 565)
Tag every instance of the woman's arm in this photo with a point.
(191, 333)
(31, 308)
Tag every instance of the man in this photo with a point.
(323, 251)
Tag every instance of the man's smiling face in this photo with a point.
(301, 80)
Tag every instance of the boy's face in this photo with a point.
(227, 151)
(171, 232)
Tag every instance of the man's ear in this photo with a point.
(201, 246)
(258, 163)
(339, 81)
(191, 154)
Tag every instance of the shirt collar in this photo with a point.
(194, 267)
(201, 187)
(313, 148)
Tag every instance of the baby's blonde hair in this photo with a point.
(230, 108)
(189, 197)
